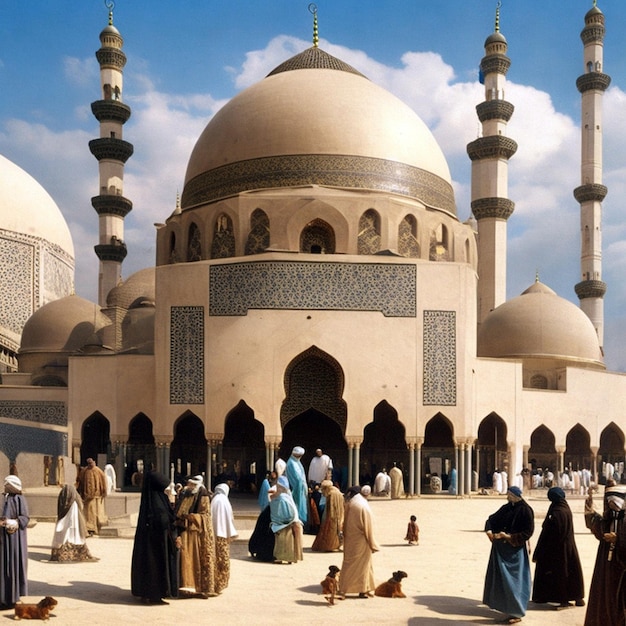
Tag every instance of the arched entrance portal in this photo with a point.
(95, 438)
(188, 451)
(313, 414)
(437, 451)
(311, 430)
(243, 450)
(611, 451)
(384, 443)
(578, 449)
(542, 451)
(140, 451)
(492, 449)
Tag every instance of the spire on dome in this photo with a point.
(109, 4)
(313, 10)
(497, 26)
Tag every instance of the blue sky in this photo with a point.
(187, 57)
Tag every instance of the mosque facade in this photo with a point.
(315, 286)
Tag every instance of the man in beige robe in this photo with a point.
(357, 572)
(92, 487)
(397, 482)
(330, 534)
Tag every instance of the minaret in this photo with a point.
(490, 154)
(591, 192)
(112, 152)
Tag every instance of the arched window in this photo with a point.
(439, 245)
(369, 233)
(407, 238)
(173, 256)
(317, 237)
(259, 237)
(538, 381)
(194, 244)
(223, 245)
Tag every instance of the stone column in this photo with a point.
(560, 450)
(594, 463)
(411, 444)
(418, 465)
(350, 461)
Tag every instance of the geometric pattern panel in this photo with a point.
(187, 355)
(44, 412)
(328, 286)
(440, 358)
(15, 439)
(19, 273)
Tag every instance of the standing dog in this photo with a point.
(41, 610)
(330, 584)
(393, 587)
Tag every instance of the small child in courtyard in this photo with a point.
(412, 531)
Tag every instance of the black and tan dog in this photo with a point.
(330, 584)
(41, 610)
(393, 587)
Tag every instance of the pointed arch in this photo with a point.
(384, 443)
(259, 236)
(140, 448)
(314, 380)
(612, 447)
(95, 437)
(542, 452)
(188, 450)
(243, 449)
(317, 237)
(223, 244)
(172, 256)
(194, 243)
(439, 244)
(578, 448)
(368, 241)
(492, 448)
(438, 449)
(407, 237)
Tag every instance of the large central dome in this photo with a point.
(316, 120)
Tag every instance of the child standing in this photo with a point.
(412, 531)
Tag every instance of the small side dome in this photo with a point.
(138, 288)
(64, 325)
(540, 324)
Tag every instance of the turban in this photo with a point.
(366, 490)
(196, 480)
(516, 491)
(298, 451)
(555, 494)
(12, 484)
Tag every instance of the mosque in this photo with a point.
(314, 286)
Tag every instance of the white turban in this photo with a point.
(12, 484)
(298, 451)
(197, 480)
(366, 490)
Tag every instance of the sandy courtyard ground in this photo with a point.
(444, 585)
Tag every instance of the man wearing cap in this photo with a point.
(13, 547)
(195, 540)
(297, 482)
(607, 595)
(507, 583)
(320, 467)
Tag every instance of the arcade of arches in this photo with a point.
(243, 452)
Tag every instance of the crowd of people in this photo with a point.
(183, 536)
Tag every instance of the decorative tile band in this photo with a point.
(187, 355)
(44, 412)
(15, 439)
(327, 286)
(330, 170)
(440, 358)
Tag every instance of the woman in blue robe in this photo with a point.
(507, 583)
(285, 524)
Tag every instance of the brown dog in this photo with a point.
(330, 584)
(41, 610)
(393, 587)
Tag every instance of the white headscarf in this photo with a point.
(12, 484)
(222, 513)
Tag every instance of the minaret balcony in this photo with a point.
(496, 208)
(495, 63)
(491, 147)
(110, 111)
(592, 192)
(590, 289)
(112, 205)
(111, 57)
(593, 33)
(495, 110)
(115, 251)
(111, 148)
(593, 81)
